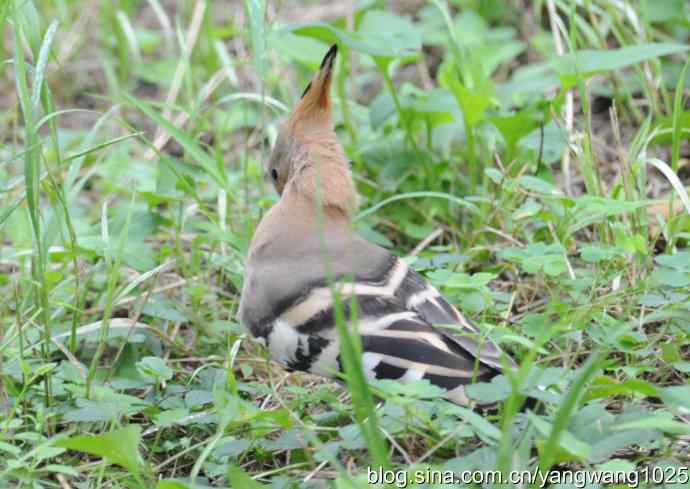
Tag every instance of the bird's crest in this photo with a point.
(314, 108)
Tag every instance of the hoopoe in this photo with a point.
(305, 245)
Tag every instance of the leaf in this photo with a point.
(540, 186)
(589, 209)
(171, 417)
(171, 484)
(677, 396)
(255, 10)
(46, 451)
(179, 484)
(489, 392)
(662, 10)
(596, 253)
(7, 448)
(538, 257)
(463, 281)
(678, 261)
(616, 465)
(567, 442)
(419, 389)
(232, 448)
(661, 422)
(381, 35)
(473, 103)
(42, 61)
(672, 278)
(196, 398)
(155, 368)
(61, 469)
(587, 62)
(673, 180)
(388, 32)
(552, 142)
(414, 195)
(352, 437)
(514, 127)
(119, 447)
(481, 426)
(240, 480)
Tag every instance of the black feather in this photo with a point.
(415, 350)
(304, 359)
(306, 90)
(387, 371)
(330, 56)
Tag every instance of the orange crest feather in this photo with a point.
(314, 108)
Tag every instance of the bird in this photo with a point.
(304, 248)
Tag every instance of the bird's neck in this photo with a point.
(323, 178)
(296, 219)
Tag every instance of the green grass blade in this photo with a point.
(42, 62)
(567, 409)
(362, 399)
(415, 195)
(199, 155)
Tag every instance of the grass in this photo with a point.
(530, 158)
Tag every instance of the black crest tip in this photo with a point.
(330, 56)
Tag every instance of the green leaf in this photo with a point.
(589, 209)
(538, 257)
(514, 127)
(420, 389)
(232, 448)
(119, 447)
(677, 396)
(473, 103)
(240, 480)
(397, 36)
(41, 64)
(540, 186)
(155, 368)
(595, 253)
(415, 195)
(7, 448)
(489, 392)
(469, 282)
(61, 469)
(171, 484)
(481, 426)
(381, 34)
(679, 261)
(587, 62)
(171, 417)
(567, 442)
(662, 10)
(672, 278)
(661, 421)
(255, 10)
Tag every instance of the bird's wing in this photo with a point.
(418, 295)
(396, 311)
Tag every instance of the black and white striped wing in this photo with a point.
(396, 315)
(420, 296)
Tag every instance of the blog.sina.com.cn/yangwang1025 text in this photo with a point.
(579, 479)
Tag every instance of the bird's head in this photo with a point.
(308, 134)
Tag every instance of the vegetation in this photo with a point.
(530, 158)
